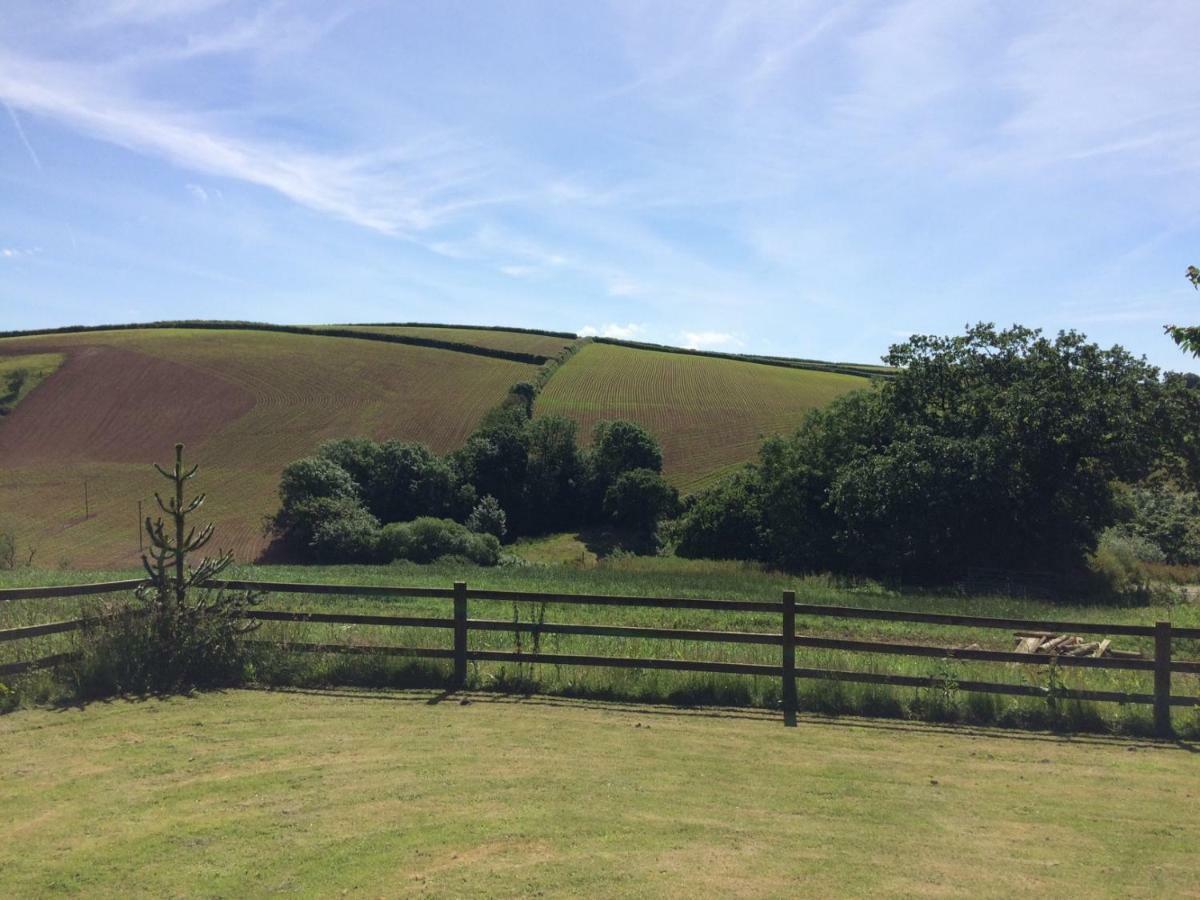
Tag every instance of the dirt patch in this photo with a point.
(110, 404)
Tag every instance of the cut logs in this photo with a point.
(1047, 643)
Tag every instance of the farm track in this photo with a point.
(245, 402)
(709, 414)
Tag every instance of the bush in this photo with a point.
(298, 523)
(639, 498)
(351, 535)
(427, 539)
(620, 446)
(146, 647)
(8, 550)
(488, 518)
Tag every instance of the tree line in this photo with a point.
(359, 500)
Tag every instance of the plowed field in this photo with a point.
(246, 403)
(710, 415)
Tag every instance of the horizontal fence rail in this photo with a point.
(788, 639)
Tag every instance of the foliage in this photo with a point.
(555, 475)
(426, 539)
(488, 518)
(994, 448)
(8, 549)
(178, 633)
(619, 446)
(315, 478)
(723, 521)
(1188, 337)
(351, 535)
(1164, 518)
(637, 499)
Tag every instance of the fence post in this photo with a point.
(789, 658)
(460, 634)
(1162, 679)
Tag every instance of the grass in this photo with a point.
(245, 402)
(710, 415)
(38, 366)
(672, 577)
(394, 793)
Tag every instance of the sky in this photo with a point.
(805, 179)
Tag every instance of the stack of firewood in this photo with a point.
(1047, 643)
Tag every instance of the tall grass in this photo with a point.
(667, 577)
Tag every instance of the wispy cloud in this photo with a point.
(396, 193)
(12, 114)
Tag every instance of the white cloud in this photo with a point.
(15, 253)
(710, 340)
(399, 192)
(612, 330)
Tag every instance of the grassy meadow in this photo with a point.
(653, 576)
(314, 793)
(709, 414)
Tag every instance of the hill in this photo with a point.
(245, 402)
(710, 413)
(101, 404)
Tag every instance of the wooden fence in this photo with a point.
(1162, 664)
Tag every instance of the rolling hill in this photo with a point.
(245, 402)
(711, 414)
(75, 452)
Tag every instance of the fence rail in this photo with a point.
(1162, 665)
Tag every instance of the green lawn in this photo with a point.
(411, 793)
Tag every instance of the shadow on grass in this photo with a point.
(765, 716)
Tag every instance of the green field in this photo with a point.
(37, 366)
(666, 577)
(710, 414)
(245, 402)
(252, 794)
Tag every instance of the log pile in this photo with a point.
(1047, 643)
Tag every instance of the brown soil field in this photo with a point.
(245, 402)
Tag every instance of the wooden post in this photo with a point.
(789, 658)
(1162, 679)
(460, 634)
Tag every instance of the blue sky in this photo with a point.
(807, 179)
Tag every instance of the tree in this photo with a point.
(620, 446)
(637, 499)
(1188, 337)
(724, 522)
(494, 461)
(488, 518)
(991, 448)
(554, 475)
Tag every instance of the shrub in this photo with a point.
(298, 523)
(488, 518)
(639, 498)
(427, 539)
(8, 550)
(351, 535)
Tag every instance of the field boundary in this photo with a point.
(535, 359)
(782, 362)
(787, 639)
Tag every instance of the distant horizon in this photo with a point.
(776, 179)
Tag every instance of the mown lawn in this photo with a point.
(415, 793)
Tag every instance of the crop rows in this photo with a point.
(709, 414)
(245, 402)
